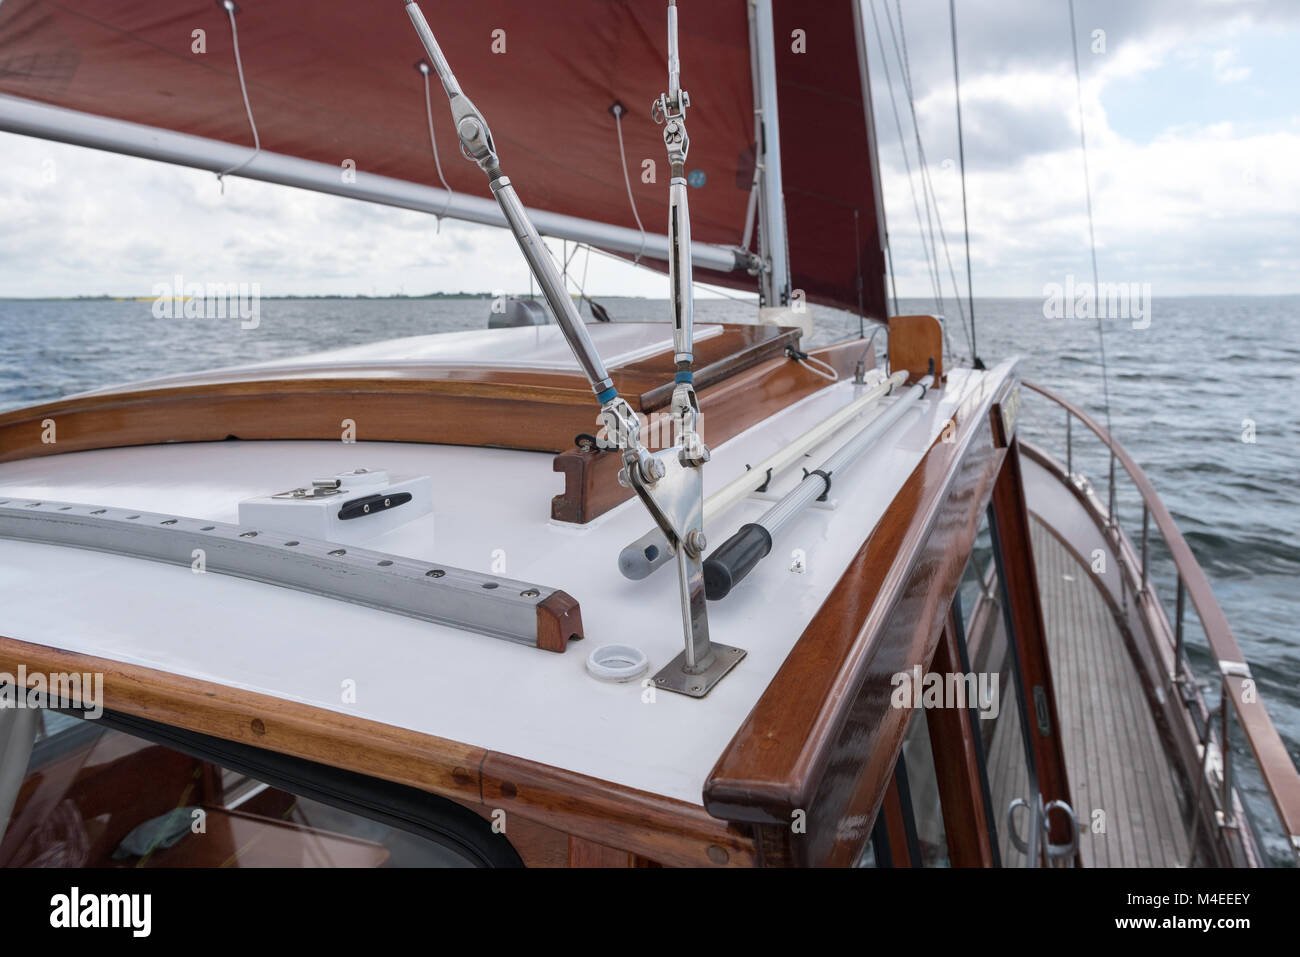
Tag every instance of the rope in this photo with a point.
(433, 141)
(961, 155)
(813, 364)
(627, 181)
(243, 88)
(1092, 236)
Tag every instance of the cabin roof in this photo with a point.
(490, 505)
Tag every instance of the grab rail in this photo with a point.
(1276, 767)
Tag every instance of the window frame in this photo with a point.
(408, 809)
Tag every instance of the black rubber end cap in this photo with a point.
(734, 559)
(717, 580)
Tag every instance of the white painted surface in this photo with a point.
(488, 504)
(317, 516)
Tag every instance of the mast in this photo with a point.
(773, 245)
(882, 226)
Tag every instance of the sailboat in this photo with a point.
(558, 593)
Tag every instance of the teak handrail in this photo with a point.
(1279, 772)
(822, 739)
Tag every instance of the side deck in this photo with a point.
(1125, 791)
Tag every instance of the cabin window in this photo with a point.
(94, 796)
(1007, 763)
(923, 788)
(909, 830)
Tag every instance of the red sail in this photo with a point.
(334, 80)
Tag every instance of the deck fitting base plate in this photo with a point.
(674, 676)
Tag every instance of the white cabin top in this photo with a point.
(490, 514)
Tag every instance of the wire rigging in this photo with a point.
(1092, 235)
(907, 163)
(927, 181)
(961, 157)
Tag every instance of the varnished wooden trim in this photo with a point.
(900, 851)
(432, 764)
(658, 828)
(956, 765)
(650, 826)
(559, 621)
(1025, 618)
(584, 853)
(590, 484)
(768, 342)
(916, 342)
(531, 410)
(824, 737)
(450, 413)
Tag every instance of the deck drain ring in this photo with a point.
(617, 663)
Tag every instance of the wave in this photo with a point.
(1232, 555)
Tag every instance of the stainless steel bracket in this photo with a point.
(676, 501)
(674, 676)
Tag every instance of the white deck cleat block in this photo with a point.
(350, 507)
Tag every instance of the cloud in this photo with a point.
(1226, 69)
(1191, 207)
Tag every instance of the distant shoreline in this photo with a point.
(489, 295)
(432, 295)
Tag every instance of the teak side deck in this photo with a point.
(1122, 778)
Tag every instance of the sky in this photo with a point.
(1190, 110)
